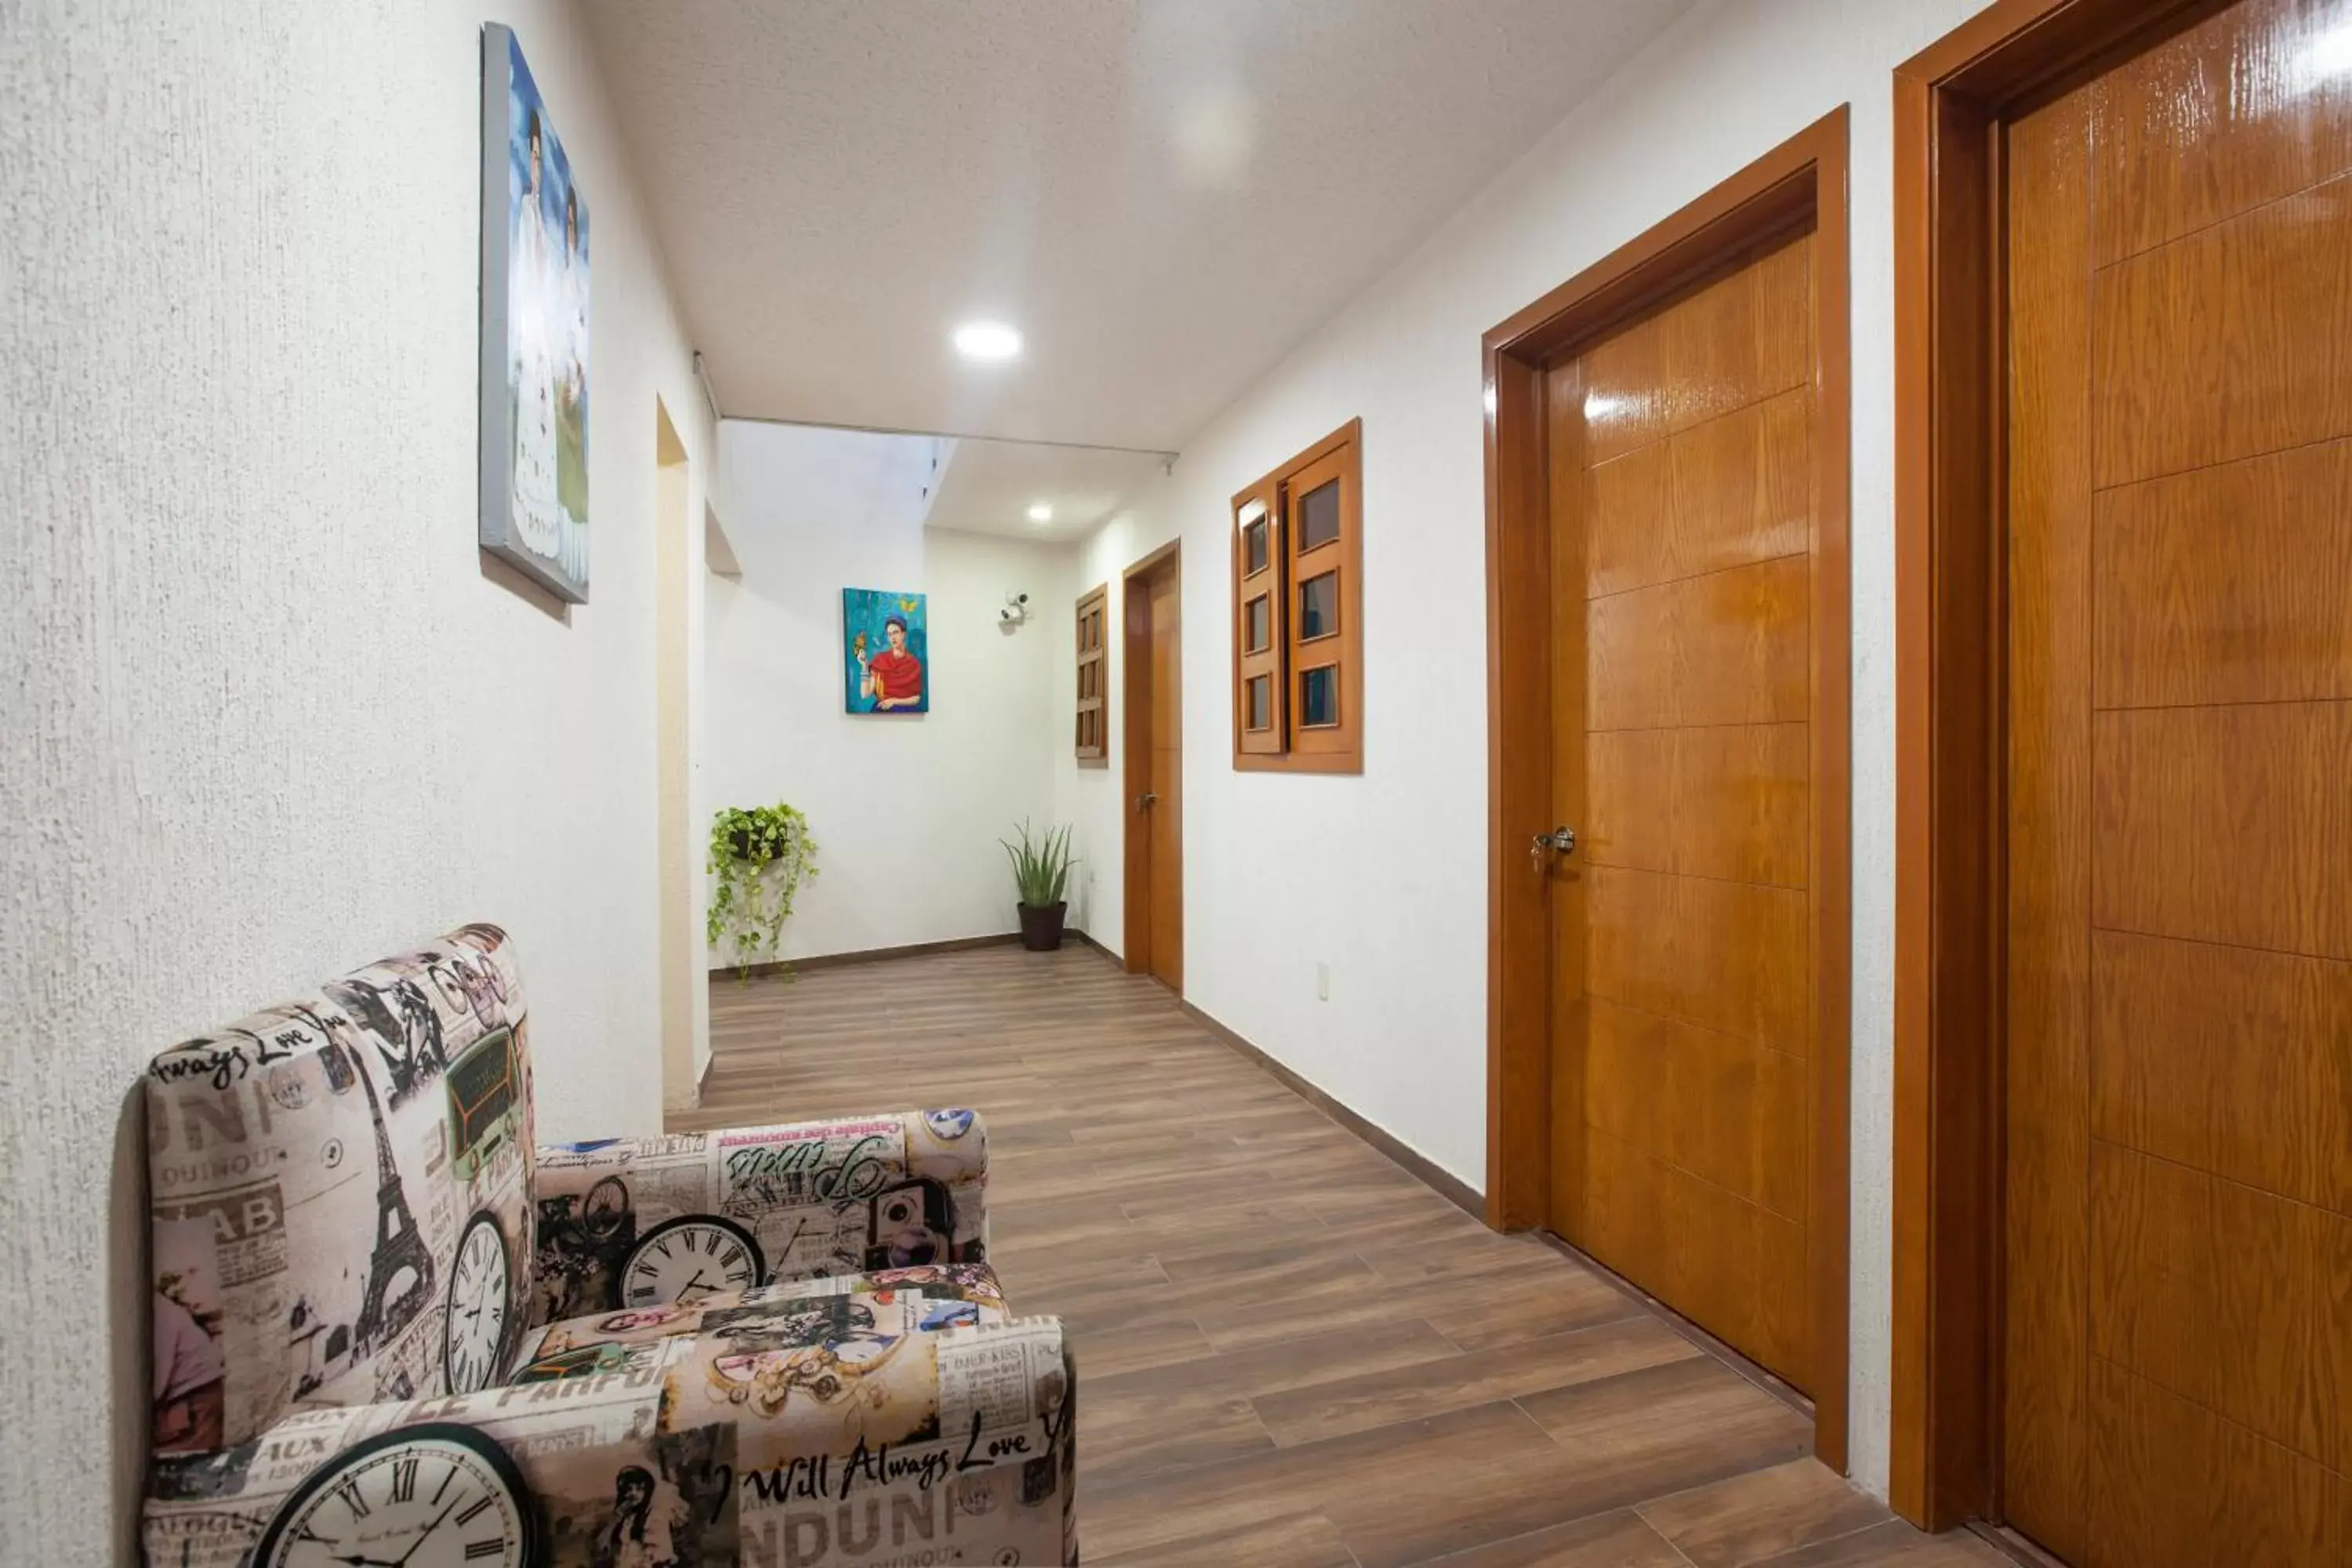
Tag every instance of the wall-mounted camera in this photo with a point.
(1016, 612)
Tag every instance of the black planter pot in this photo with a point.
(1041, 926)
(739, 841)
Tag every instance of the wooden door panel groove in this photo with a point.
(2229, 584)
(2189, 236)
(1732, 343)
(1725, 802)
(2204, 129)
(1727, 1110)
(2260, 305)
(1725, 955)
(2226, 1058)
(2227, 824)
(2282, 449)
(1681, 578)
(2224, 1297)
(1734, 1267)
(1730, 492)
(1731, 647)
(2175, 1484)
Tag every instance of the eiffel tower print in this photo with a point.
(398, 1243)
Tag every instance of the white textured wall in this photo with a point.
(1383, 875)
(907, 810)
(266, 717)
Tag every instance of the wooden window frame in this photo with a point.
(1259, 507)
(1803, 179)
(1952, 102)
(1096, 603)
(1286, 746)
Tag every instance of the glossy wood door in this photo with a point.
(1682, 1031)
(1155, 772)
(2177, 1332)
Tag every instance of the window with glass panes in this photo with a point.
(1093, 743)
(1297, 610)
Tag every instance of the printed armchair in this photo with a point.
(391, 1332)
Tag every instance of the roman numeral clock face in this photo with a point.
(432, 1496)
(687, 1260)
(475, 1330)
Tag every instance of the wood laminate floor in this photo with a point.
(1290, 1351)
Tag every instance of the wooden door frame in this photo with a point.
(1951, 103)
(1804, 177)
(1135, 745)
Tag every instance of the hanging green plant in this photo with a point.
(759, 859)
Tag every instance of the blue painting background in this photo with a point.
(863, 612)
(547, 317)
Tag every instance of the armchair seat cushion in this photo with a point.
(892, 1418)
(773, 1319)
(628, 1222)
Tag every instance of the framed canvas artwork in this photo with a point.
(534, 371)
(885, 652)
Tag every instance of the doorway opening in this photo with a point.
(685, 987)
(1152, 757)
(1669, 658)
(2123, 1267)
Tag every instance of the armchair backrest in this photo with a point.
(314, 1172)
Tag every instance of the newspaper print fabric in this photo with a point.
(926, 1299)
(352, 1359)
(923, 1446)
(631, 1221)
(322, 1174)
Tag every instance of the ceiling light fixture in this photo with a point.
(1041, 512)
(989, 341)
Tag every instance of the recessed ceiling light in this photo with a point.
(987, 340)
(1041, 512)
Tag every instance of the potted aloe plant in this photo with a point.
(1041, 870)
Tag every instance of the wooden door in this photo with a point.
(1155, 773)
(2177, 1322)
(1683, 512)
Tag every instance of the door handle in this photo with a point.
(1563, 839)
(1146, 800)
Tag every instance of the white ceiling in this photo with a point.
(988, 486)
(1164, 195)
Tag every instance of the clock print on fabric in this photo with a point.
(474, 1332)
(431, 1496)
(687, 1260)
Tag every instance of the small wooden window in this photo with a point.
(1093, 743)
(1298, 612)
(1258, 681)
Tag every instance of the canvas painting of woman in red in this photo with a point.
(886, 653)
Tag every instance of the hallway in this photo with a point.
(1294, 1352)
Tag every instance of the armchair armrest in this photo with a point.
(795, 1425)
(637, 1221)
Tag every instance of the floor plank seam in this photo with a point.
(1813, 1545)
(1138, 1159)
